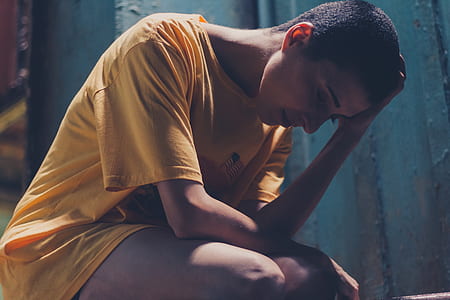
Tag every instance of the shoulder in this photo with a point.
(160, 38)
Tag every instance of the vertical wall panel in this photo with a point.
(373, 271)
(442, 164)
(414, 136)
(67, 39)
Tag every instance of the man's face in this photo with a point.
(297, 91)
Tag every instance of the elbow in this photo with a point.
(182, 230)
(184, 224)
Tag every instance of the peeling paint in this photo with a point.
(135, 9)
(442, 158)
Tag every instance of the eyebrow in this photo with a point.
(335, 99)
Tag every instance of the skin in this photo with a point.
(214, 251)
(307, 92)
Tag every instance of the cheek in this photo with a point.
(300, 90)
(300, 99)
(272, 78)
(269, 90)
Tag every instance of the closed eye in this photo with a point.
(320, 98)
(337, 103)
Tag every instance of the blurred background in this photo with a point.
(386, 216)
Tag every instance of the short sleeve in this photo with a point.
(266, 185)
(142, 119)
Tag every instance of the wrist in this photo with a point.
(351, 133)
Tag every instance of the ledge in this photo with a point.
(439, 296)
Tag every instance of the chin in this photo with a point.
(309, 130)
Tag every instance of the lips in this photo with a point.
(286, 122)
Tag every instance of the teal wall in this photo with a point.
(386, 215)
(67, 39)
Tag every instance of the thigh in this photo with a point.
(154, 264)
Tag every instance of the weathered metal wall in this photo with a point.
(386, 216)
(67, 39)
(235, 13)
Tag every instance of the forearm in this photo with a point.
(221, 222)
(193, 214)
(291, 209)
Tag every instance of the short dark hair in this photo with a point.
(356, 36)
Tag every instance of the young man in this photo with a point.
(162, 182)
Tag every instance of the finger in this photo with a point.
(402, 74)
(401, 81)
(349, 287)
(400, 85)
(395, 92)
(344, 289)
(402, 66)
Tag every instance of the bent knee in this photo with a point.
(264, 279)
(258, 277)
(311, 277)
(319, 283)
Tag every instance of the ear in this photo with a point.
(299, 33)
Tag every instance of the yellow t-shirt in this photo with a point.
(156, 106)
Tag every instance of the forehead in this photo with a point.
(346, 87)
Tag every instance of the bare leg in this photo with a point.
(154, 264)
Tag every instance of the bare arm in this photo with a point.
(290, 210)
(193, 214)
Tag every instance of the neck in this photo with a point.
(243, 54)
